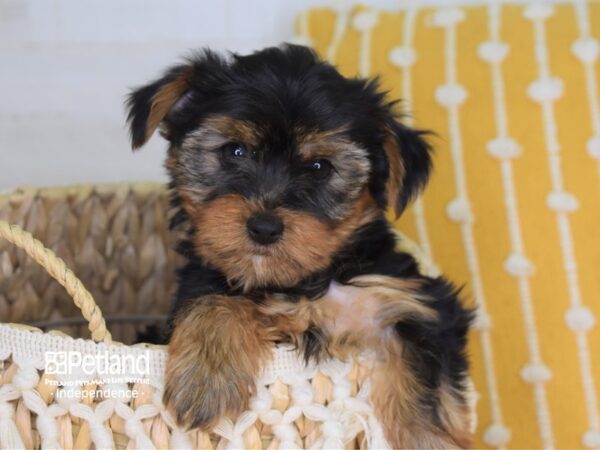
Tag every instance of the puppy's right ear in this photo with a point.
(149, 105)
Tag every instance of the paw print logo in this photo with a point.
(55, 363)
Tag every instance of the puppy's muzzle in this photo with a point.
(265, 228)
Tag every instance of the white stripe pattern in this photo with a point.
(587, 50)
(451, 95)
(579, 319)
(364, 22)
(343, 9)
(504, 148)
(404, 58)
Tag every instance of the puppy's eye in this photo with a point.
(320, 168)
(235, 150)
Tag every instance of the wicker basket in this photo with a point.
(116, 239)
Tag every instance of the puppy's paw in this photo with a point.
(199, 395)
(216, 351)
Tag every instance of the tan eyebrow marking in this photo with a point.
(218, 130)
(316, 144)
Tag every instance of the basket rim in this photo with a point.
(62, 334)
(27, 343)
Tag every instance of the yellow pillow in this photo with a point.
(513, 208)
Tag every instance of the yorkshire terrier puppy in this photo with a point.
(281, 171)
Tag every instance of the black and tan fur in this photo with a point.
(282, 136)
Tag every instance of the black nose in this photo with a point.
(265, 228)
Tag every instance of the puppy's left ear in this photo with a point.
(149, 105)
(409, 162)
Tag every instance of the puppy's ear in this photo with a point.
(409, 162)
(149, 105)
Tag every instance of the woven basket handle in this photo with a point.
(57, 268)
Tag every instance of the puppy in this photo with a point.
(281, 172)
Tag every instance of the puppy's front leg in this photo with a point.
(412, 414)
(417, 330)
(218, 346)
(419, 383)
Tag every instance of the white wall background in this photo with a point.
(66, 67)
